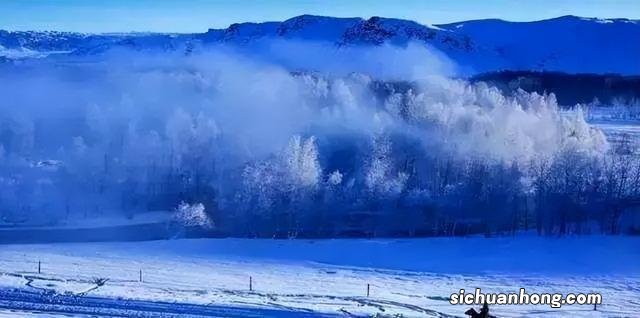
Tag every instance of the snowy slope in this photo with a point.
(408, 277)
(567, 44)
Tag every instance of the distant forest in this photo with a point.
(569, 89)
(244, 149)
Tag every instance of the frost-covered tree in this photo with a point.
(382, 177)
(300, 163)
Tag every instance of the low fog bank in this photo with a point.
(379, 142)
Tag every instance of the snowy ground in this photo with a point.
(621, 131)
(210, 277)
(616, 129)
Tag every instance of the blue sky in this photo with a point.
(199, 15)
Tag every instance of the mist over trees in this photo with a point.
(252, 149)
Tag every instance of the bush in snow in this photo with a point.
(335, 178)
(189, 215)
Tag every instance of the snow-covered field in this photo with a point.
(292, 278)
(616, 126)
(618, 131)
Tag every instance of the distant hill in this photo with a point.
(566, 44)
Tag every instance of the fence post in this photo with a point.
(140, 277)
(39, 267)
(368, 290)
(250, 283)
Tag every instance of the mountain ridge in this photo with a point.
(595, 19)
(566, 44)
